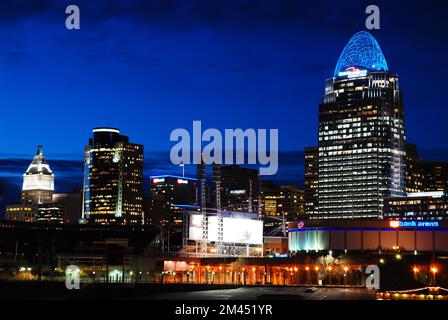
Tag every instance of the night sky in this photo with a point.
(148, 67)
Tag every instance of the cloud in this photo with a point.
(69, 173)
(13, 10)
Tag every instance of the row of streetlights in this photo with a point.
(433, 269)
(243, 272)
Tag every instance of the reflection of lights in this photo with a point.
(434, 270)
(394, 224)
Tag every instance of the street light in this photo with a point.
(308, 276)
(317, 275)
(434, 271)
(345, 276)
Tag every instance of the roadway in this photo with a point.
(268, 293)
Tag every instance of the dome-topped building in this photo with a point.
(362, 51)
(38, 181)
(361, 155)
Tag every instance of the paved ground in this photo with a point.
(268, 293)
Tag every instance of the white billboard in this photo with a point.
(235, 230)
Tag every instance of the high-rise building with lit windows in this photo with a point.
(284, 201)
(168, 196)
(361, 135)
(424, 175)
(113, 179)
(38, 181)
(414, 174)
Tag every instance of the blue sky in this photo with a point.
(148, 67)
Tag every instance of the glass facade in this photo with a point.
(113, 179)
(361, 144)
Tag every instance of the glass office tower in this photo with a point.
(113, 179)
(361, 135)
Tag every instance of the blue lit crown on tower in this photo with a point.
(362, 51)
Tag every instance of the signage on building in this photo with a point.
(352, 72)
(413, 224)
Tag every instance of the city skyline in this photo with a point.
(67, 162)
(226, 150)
(235, 54)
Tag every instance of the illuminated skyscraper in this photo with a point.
(113, 179)
(361, 134)
(38, 181)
